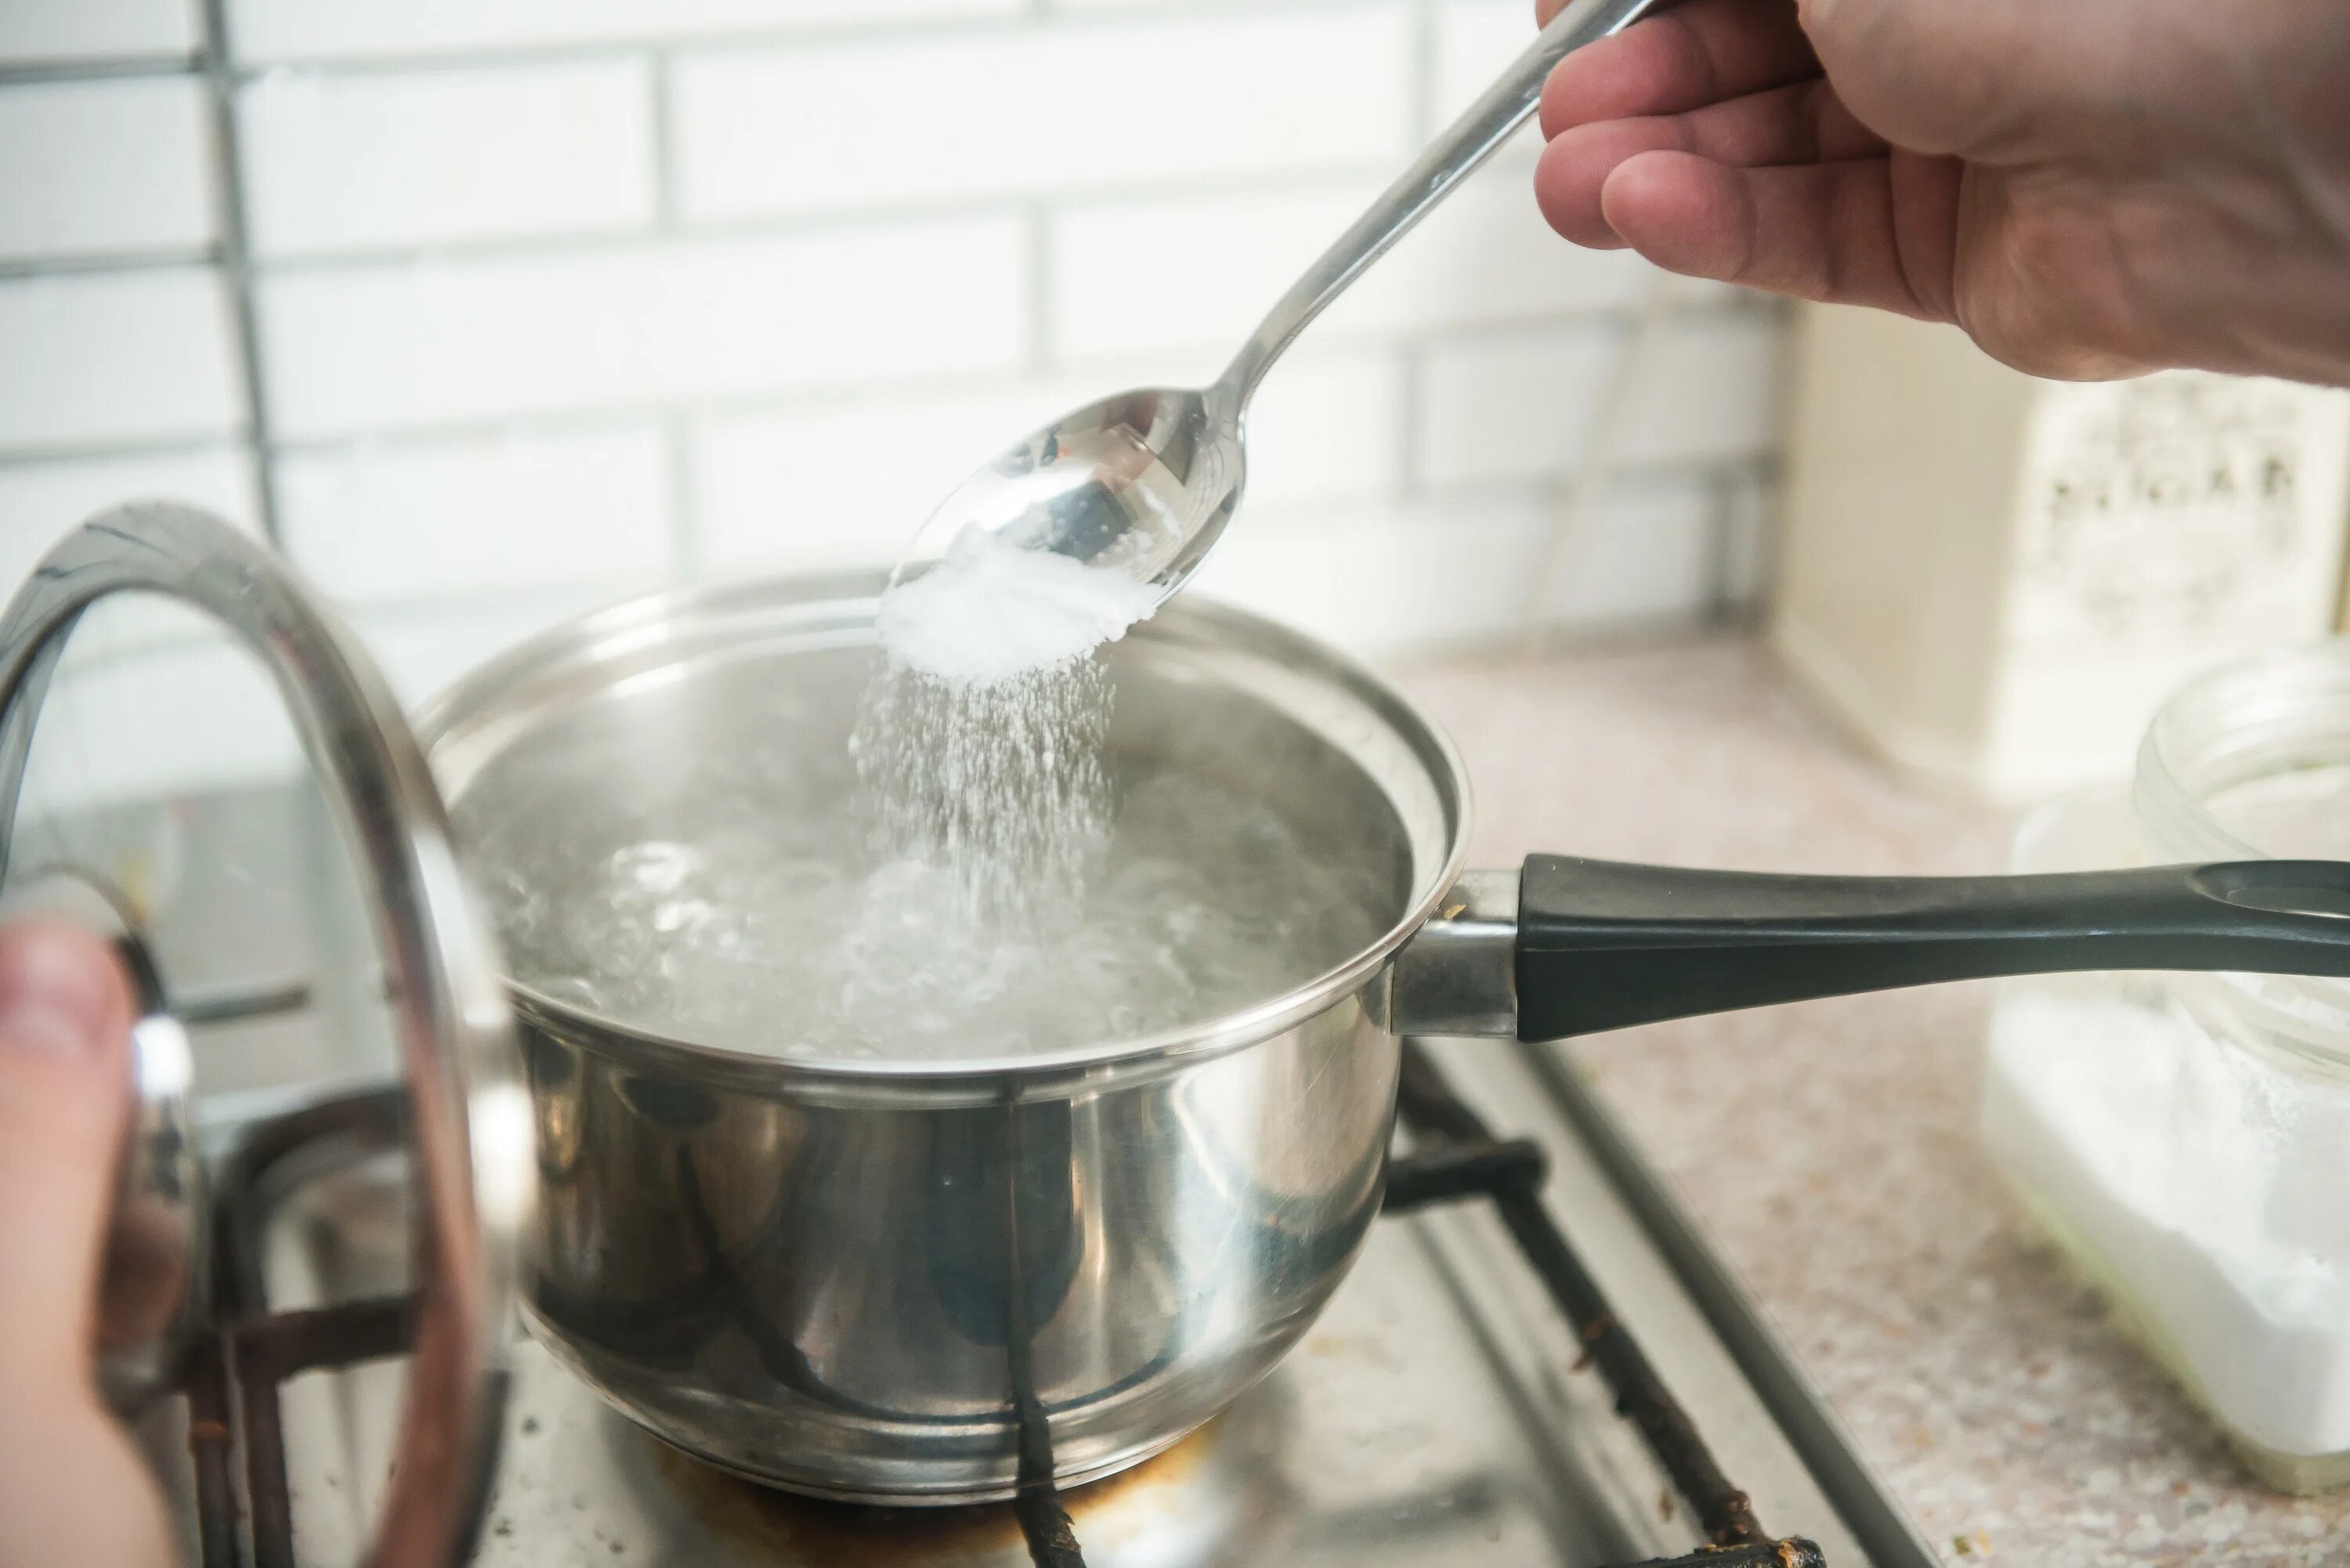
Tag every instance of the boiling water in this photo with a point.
(735, 888)
(794, 943)
(953, 875)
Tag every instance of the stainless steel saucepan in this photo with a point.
(901, 1281)
(917, 1281)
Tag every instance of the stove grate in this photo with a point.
(1454, 1156)
(233, 1379)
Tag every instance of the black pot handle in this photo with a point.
(1603, 945)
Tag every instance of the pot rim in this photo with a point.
(651, 621)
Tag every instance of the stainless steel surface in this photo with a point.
(1145, 481)
(159, 1239)
(470, 1119)
(1460, 974)
(160, 1242)
(852, 1278)
(1437, 1415)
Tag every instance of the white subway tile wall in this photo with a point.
(1473, 565)
(279, 31)
(45, 32)
(561, 299)
(393, 521)
(1520, 403)
(103, 167)
(416, 158)
(1140, 275)
(1473, 38)
(436, 342)
(1059, 106)
(111, 358)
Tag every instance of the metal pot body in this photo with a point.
(907, 1282)
(899, 1302)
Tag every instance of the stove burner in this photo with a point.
(1187, 1488)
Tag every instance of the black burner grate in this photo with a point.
(232, 1379)
(1455, 1157)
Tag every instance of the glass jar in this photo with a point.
(2183, 1139)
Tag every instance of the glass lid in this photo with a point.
(199, 760)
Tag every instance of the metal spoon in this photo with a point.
(1145, 481)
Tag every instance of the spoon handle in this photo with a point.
(1449, 158)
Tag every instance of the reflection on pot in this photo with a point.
(822, 1294)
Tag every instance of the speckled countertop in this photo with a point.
(1987, 1387)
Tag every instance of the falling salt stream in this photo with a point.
(954, 866)
(980, 746)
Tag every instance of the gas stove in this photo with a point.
(1539, 1360)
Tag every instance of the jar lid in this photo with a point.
(193, 742)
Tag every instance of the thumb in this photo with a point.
(72, 1488)
(65, 1071)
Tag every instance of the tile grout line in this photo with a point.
(90, 264)
(1038, 224)
(686, 547)
(1716, 607)
(685, 534)
(1411, 353)
(1423, 69)
(568, 51)
(236, 265)
(129, 68)
(1411, 417)
(664, 149)
(128, 448)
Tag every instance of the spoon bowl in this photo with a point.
(1141, 482)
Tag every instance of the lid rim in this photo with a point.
(471, 1138)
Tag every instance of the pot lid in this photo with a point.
(198, 757)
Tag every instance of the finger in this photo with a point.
(1847, 232)
(1805, 123)
(72, 1487)
(1696, 53)
(65, 1024)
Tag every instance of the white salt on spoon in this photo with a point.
(990, 611)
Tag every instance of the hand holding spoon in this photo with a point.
(1144, 482)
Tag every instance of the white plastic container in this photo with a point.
(1995, 581)
(2186, 1138)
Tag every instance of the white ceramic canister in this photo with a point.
(2186, 1138)
(1997, 581)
